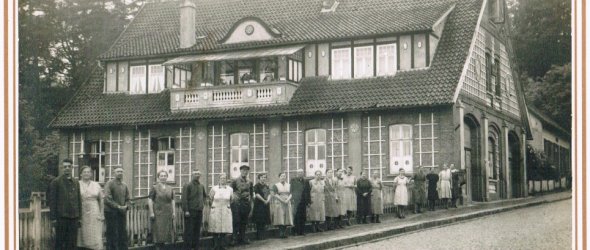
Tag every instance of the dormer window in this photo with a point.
(496, 11)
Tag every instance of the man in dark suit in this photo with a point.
(301, 197)
(65, 207)
(193, 200)
(241, 205)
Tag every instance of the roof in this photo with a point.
(548, 122)
(428, 87)
(155, 29)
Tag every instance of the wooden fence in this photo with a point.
(35, 225)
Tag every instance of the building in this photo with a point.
(306, 84)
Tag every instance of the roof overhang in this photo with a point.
(236, 55)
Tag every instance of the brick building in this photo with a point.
(306, 84)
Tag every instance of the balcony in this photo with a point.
(253, 94)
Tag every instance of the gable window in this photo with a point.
(496, 71)
(492, 166)
(295, 70)
(363, 62)
(240, 150)
(137, 79)
(165, 150)
(315, 157)
(341, 63)
(489, 72)
(156, 79)
(496, 10)
(386, 59)
(400, 147)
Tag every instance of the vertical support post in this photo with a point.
(506, 162)
(523, 177)
(485, 182)
(36, 208)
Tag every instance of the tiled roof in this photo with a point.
(548, 122)
(435, 85)
(155, 29)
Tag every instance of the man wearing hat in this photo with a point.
(241, 205)
(117, 203)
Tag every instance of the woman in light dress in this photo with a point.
(376, 197)
(332, 200)
(349, 198)
(444, 185)
(220, 219)
(162, 209)
(401, 193)
(317, 209)
(281, 213)
(340, 191)
(92, 219)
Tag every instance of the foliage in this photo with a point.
(538, 166)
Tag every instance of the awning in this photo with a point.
(236, 55)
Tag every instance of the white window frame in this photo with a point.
(163, 164)
(404, 159)
(313, 162)
(392, 67)
(235, 164)
(137, 83)
(340, 69)
(363, 64)
(156, 81)
(97, 150)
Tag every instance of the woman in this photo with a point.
(220, 218)
(317, 209)
(418, 190)
(432, 186)
(376, 198)
(162, 211)
(349, 198)
(91, 221)
(261, 211)
(401, 193)
(340, 190)
(281, 214)
(363, 192)
(444, 185)
(332, 204)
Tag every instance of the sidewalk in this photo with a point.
(391, 225)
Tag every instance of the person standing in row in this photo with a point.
(261, 210)
(92, 219)
(117, 201)
(349, 198)
(432, 179)
(340, 190)
(332, 200)
(401, 193)
(282, 215)
(444, 185)
(419, 189)
(317, 208)
(456, 182)
(193, 200)
(363, 193)
(300, 190)
(162, 211)
(376, 197)
(241, 206)
(65, 207)
(220, 221)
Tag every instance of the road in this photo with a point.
(547, 226)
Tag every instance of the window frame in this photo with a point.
(235, 165)
(142, 84)
(403, 155)
(370, 59)
(149, 76)
(347, 67)
(378, 47)
(316, 144)
(100, 146)
(169, 150)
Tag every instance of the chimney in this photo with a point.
(329, 6)
(188, 12)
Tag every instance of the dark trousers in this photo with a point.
(300, 217)
(66, 233)
(116, 230)
(240, 213)
(192, 229)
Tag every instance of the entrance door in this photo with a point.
(514, 159)
(472, 160)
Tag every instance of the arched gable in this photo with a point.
(250, 29)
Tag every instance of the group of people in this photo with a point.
(327, 201)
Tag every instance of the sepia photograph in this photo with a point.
(295, 124)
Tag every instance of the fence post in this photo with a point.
(36, 208)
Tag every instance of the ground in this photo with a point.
(547, 226)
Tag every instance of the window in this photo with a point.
(156, 79)
(400, 147)
(181, 77)
(137, 79)
(247, 71)
(341, 63)
(492, 166)
(496, 72)
(295, 70)
(97, 159)
(315, 151)
(240, 150)
(165, 148)
(489, 72)
(386, 59)
(496, 10)
(268, 69)
(363, 62)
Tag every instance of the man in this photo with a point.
(241, 205)
(456, 183)
(301, 197)
(65, 207)
(193, 199)
(115, 211)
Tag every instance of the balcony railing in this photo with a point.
(232, 95)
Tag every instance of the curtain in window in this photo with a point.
(341, 63)
(137, 80)
(400, 147)
(156, 79)
(363, 62)
(316, 151)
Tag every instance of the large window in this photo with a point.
(156, 79)
(315, 158)
(400, 146)
(363, 62)
(386, 59)
(97, 160)
(240, 149)
(137, 79)
(165, 149)
(489, 70)
(246, 71)
(492, 158)
(181, 77)
(341, 63)
(497, 76)
(295, 70)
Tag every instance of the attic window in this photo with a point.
(496, 11)
(329, 6)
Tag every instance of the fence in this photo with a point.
(35, 224)
(542, 186)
